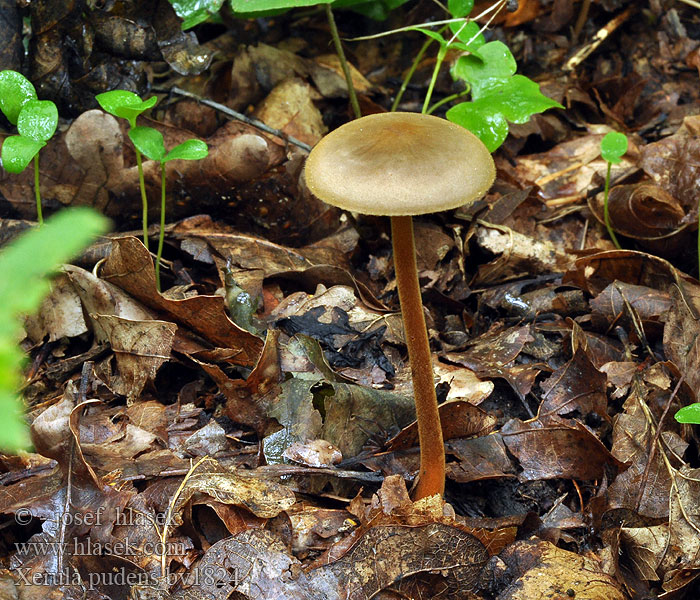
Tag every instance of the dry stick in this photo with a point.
(241, 117)
(598, 39)
(431, 477)
(343, 62)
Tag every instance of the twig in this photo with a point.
(598, 39)
(343, 62)
(241, 117)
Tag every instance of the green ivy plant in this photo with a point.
(36, 122)
(127, 105)
(488, 71)
(25, 265)
(612, 147)
(150, 143)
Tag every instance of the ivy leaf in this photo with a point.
(149, 142)
(15, 91)
(613, 146)
(491, 67)
(489, 126)
(18, 151)
(460, 8)
(516, 101)
(469, 35)
(520, 98)
(188, 150)
(38, 120)
(124, 104)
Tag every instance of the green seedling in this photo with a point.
(487, 71)
(25, 265)
(36, 122)
(127, 105)
(612, 148)
(150, 143)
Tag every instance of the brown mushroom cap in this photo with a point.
(399, 164)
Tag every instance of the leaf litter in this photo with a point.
(271, 443)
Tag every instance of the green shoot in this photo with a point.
(612, 147)
(25, 265)
(150, 143)
(36, 122)
(127, 105)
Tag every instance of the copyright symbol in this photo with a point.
(23, 516)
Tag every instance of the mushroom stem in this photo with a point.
(431, 476)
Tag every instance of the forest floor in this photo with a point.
(249, 431)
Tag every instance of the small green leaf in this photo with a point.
(613, 146)
(515, 101)
(188, 150)
(18, 151)
(15, 90)
(689, 414)
(460, 8)
(489, 126)
(125, 104)
(38, 120)
(469, 35)
(149, 142)
(491, 67)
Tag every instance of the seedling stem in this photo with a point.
(37, 191)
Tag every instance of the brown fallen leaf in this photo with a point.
(557, 448)
(575, 388)
(539, 570)
(289, 107)
(130, 267)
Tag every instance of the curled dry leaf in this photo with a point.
(641, 211)
(130, 267)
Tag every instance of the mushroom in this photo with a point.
(399, 165)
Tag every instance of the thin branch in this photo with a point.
(241, 117)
